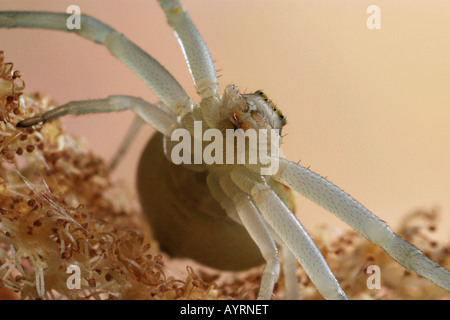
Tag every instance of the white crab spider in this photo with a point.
(246, 196)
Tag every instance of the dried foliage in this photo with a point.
(349, 255)
(59, 207)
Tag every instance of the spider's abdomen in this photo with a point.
(185, 219)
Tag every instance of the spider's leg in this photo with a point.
(290, 272)
(151, 71)
(291, 232)
(332, 198)
(289, 262)
(289, 265)
(254, 223)
(150, 113)
(219, 195)
(252, 220)
(198, 58)
(132, 132)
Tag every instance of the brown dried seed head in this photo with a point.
(37, 223)
(66, 255)
(9, 157)
(91, 282)
(370, 257)
(4, 150)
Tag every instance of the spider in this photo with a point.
(242, 217)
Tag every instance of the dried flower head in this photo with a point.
(59, 208)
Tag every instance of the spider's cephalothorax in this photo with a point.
(247, 216)
(254, 110)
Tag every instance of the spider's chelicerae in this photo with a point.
(242, 217)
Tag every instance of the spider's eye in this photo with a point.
(260, 93)
(281, 116)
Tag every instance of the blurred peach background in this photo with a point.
(369, 109)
